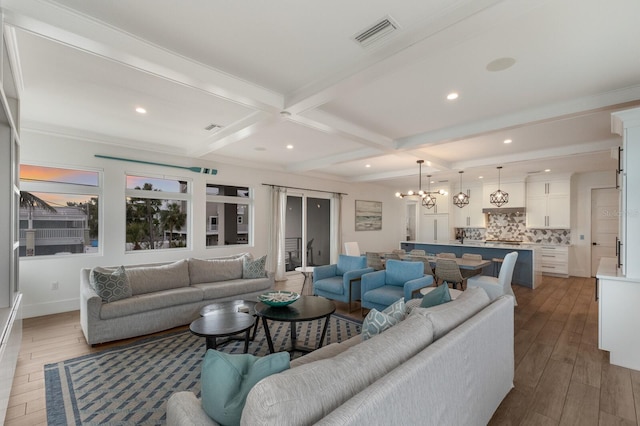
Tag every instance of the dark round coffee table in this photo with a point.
(223, 324)
(245, 306)
(306, 308)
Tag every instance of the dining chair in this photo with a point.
(496, 287)
(446, 255)
(466, 273)
(399, 251)
(394, 256)
(352, 248)
(416, 252)
(448, 272)
(427, 265)
(374, 260)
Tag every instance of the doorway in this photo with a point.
(308, 231)
(604, 224)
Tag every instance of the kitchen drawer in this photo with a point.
(554, 260)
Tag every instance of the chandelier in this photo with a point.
(461, 199)
(428, 198)
(499, 197)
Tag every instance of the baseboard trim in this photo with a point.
(50, 308)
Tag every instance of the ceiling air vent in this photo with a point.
(213, 127)
(376, 32)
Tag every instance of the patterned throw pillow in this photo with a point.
(376, 322)
(254, 268)
(109, 284)
(226, 379)
(396, 310)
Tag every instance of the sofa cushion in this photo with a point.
(147, 279)
(150, 302)
(328, 351)
(213, 270)
(305, 394)
(448, 316)
(229, 288)
(109, 284)
(436, 297)
(254, 268)
(226, 379)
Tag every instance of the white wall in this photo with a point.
(581, 186)
(37, 274)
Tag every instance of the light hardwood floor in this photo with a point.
(561, 377)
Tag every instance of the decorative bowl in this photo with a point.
(278, 298)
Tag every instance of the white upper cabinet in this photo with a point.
(469, 216)
(442, 201)
(549, 202)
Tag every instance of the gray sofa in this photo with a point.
(165, 295)
(448, 365)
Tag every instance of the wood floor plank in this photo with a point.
(588, 366)
(514, 407)
(551, 391)
(537, 419)
(582, 405)
(616, 392)
(567, 346)
(607, 419)
(532, 365)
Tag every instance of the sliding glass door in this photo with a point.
(308, 231)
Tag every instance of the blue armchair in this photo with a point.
(400, 279)
(340, 281)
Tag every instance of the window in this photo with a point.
(59, 211)
(157, 213)
(229, 205)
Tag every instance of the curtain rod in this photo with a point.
(304, 189)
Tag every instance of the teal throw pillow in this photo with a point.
(226, 379)
(109, 284)
(254, 268)
(435, 297)
(396, 310)
(376, 322)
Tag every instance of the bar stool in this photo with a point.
(497, 264)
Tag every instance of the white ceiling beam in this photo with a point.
(332, 160)
(563, 151)
(76, 30)
(572, 108)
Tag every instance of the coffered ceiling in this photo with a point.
(289, 72)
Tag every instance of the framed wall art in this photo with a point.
(368, 215)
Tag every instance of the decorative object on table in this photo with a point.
(170, 362)
(461, 199)
(368, 215)
(204, 170)
(278, 298)
(428, 197)
(499, 197)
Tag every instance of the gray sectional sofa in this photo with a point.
(165, 295)
(448, 365)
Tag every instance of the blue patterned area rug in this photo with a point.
(130, 385)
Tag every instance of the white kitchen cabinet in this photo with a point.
(442, 202)
(469, 216)
(554, 260)
(434, 228)
(549, 203)
(516, 191)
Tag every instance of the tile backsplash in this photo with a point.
(512, 226)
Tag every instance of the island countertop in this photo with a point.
(526, 272)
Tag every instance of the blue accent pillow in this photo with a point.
(436, 297)
(254, 268)
(226, 379)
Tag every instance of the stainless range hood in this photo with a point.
(504, 210)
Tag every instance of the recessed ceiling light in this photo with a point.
(480, 177)
(508, 141)
(500, 64)
(547, 170)
(289, 146)
(451, 96)
(367, 165)
(141, 110)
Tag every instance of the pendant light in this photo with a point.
(461, 199)
(428, 198)
(499, 198)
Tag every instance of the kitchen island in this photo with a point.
(526, 272)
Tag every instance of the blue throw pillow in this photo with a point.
(376, 322)
(436, 297)
(254, 268)
(226, 379)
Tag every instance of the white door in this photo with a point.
(411, 222)
(604, 224)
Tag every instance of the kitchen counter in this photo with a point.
(526, 272)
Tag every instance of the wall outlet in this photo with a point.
(55, 285)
